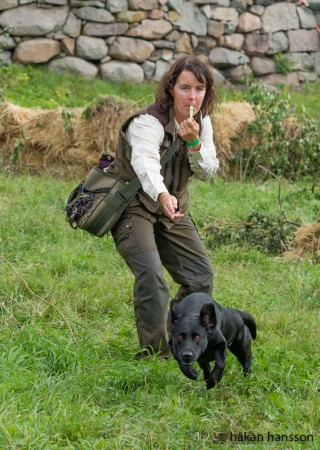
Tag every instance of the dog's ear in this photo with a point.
(175, 316)
(208, 316)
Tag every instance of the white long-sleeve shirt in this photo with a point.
(145, 135)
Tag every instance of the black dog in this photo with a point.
(202, 330)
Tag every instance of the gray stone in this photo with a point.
(237, 74)
(95, 15)
(257, 9)
(307, 77)
(205, 44)
(218, 77)
(223, 57)
(80, 3)
(264, 2)
(32, 21)
(162, 53)
(280, 17)
(205, 2)
(8, 4)
(130, 49)
(276, 78)
(91, 48)
(248, 22)
(307, 18)
(301, 61)
(278, 43)
(6, 42)
(239, 5)
(73, 26)
(118, 71)
(68, 46)
(48, 2)
(183, 44)
(316, 58)
(115, 6)
(161, 68)
(148, 68)
(230, 27)
(131, 16)
(215, 28)
(192, 20)
(104, 30)
(233, 41)
(303, 41)
(145, 5)
(256, 44)
(176, 5)
(173, 36)
(225, 14)
(224, 3)
(150, 29)
(5, 58)
(162, 43)
(74, 65)
(262, 66)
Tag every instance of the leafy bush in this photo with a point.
(278, 139)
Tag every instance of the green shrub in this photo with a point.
(279, 140)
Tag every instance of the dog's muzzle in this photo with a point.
(187, 358)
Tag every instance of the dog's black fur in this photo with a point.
(202, 330)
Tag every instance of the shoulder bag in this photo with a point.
(96, 203)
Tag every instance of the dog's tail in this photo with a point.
(250, 322)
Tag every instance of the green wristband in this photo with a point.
(194, 143)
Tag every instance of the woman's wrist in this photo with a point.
(194, 143)
(194, 146)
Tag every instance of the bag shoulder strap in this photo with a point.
(131, 188)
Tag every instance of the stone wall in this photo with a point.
(135, 40)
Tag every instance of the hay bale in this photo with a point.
(69, 141)
(230, 122)
(305, 242)
(64, 141)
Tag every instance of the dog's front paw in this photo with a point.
(189, 371)
(211, 382)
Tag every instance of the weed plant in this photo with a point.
(68, 377)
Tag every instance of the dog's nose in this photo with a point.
(187, 356)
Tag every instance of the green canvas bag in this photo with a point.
(96, 204)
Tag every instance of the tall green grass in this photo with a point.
(68, 379)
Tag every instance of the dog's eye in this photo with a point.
(196, 338)
(180, 337)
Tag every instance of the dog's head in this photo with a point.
(189, 332)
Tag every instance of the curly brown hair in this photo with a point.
(164, 97)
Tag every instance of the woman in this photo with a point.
(156, 229)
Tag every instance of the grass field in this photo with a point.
(68, 378)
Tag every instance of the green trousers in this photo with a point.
(147, 246)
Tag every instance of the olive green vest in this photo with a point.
(176, 173)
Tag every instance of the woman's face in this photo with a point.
(187, 91)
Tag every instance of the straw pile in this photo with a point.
(305, 242)
(70, 141)
(64, 141)
(230, 124)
